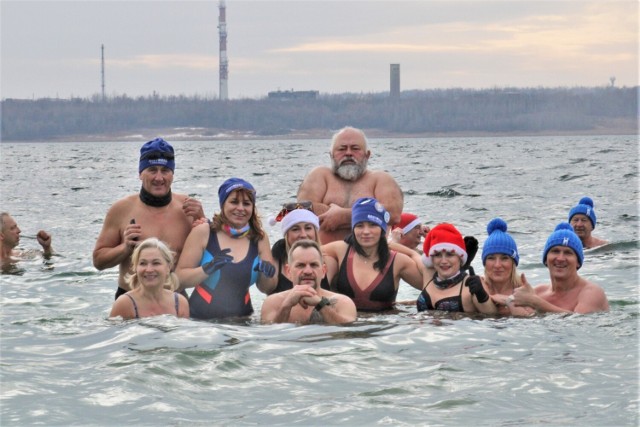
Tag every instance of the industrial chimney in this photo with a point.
(224, 63)
(394, 91)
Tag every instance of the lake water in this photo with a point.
(64, 363)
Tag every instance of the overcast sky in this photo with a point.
(52, 48)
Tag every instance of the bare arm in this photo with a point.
(341, 309)
(409, 271)
(44, 239)
(388, 192)
(112, 248)
(592, 299)
(426, 272)
(183, 307)
(188, 269)
(527, 296)
(314, 188)
(276, 308)
(123, 307)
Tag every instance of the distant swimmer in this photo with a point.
(10, 237)
(582, 218)
(153, 284)
(333, 190)
(307, 302)
(153, 212)
(567, 292)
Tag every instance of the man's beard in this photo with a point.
(350, 171)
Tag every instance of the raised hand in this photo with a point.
(218, 261)
(475, 287)
(266, 268)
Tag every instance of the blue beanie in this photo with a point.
(499, 241)
(232, 184)
(369, 209)
(157, 152)
(564, 236)
(584, 207)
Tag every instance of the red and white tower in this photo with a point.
(224, 62)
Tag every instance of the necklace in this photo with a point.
(451, 281)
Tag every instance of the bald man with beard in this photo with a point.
(333, 190)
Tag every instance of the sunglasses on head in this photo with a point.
(288, 207)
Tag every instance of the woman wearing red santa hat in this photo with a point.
(451, 289)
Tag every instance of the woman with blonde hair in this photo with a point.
(153, 284)
(500, 259)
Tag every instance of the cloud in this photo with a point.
(593, 32)
(166, 61)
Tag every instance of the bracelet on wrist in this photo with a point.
(323, 302)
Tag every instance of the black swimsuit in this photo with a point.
(453, 303)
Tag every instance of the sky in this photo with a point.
(53, 48)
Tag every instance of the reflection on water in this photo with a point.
(64, 363)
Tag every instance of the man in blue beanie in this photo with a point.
(567, 292)
(582, 218)
(153, 212)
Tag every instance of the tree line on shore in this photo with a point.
(503, 110)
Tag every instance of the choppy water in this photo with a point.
(64, 363)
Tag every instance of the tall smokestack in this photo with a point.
(103, 95)
(394, 90)
(224, 63)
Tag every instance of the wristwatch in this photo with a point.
(323, 301)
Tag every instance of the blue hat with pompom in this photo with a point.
(499, 241)
(584, 207)
(564, 235)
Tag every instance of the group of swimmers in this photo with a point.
(321, 270)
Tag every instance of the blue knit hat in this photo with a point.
(232, 184)
(499, 241)
(157, 152)
(584, 207)
(369, 209)
(564, 235)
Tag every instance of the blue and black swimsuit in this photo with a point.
(226, 292)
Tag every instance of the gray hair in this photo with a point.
(349, 129)
(3, 215)
(304, 244)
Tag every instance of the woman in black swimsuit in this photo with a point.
(451, 289)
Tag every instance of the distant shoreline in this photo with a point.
(205, 134)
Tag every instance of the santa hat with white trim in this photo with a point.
(443, 237)
(408, 222)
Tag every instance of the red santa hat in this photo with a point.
(408, 222)
(443, 237)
